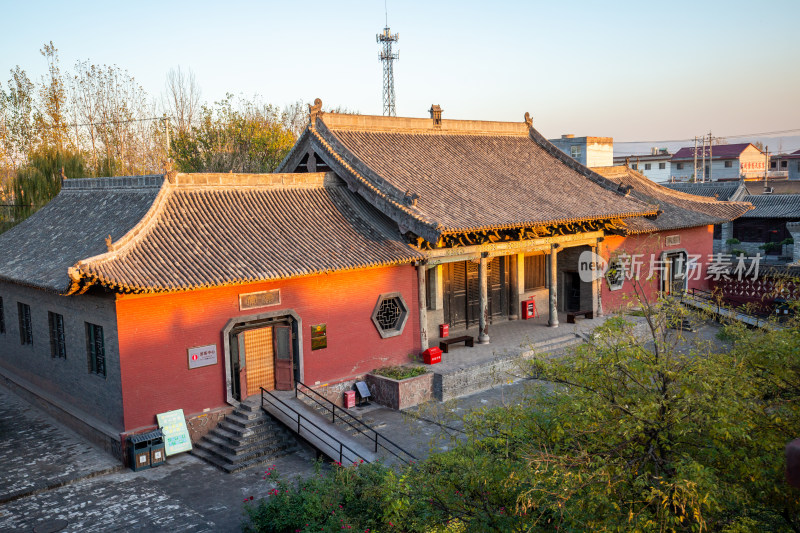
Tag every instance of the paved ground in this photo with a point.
(52, 480)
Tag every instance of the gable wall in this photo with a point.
(67, 380)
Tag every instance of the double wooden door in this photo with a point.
(262, 358)
(462, 291)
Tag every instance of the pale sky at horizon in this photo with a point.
(628, 70)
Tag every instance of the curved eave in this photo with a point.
(87, 278)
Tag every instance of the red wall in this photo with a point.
(155, 332)
(696, 241)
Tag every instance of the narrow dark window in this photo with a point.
(728, 164)
(635, 166)
(535, 272)
(25, 328)
(679, 165)
(647, 166)
(95, 349)
(662, 166)
(58, 346)
(2, 318)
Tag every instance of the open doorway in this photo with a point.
(262, 355)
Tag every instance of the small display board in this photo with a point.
(176, 436)
(202, 356)
(319, 336)
(363, 390)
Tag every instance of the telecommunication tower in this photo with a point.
(386, 38)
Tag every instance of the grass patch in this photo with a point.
(635, 312)
(400, 372)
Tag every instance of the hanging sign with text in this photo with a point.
(176, 436)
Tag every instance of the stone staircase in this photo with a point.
(245, 438)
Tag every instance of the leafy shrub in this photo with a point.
(400, 372)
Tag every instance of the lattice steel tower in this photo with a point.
(388, 58)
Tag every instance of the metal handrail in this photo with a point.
(332, 407)
(342, 446)
(720, 301)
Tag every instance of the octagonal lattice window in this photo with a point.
(390, 314)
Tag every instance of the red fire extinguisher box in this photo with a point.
(528, 309)
(349, 399)
(431, 356)
(444, 330)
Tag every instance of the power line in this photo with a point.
(106, 122)
(759, 134)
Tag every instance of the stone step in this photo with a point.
(235, 455)
(245, 438)
(239, 448)
(237, 467)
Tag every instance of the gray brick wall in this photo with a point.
(68, 379)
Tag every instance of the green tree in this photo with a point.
(233, 136)
(641, 429)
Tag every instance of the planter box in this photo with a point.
(400, 394)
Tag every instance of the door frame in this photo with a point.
(261, 320)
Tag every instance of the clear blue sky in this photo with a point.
(631, 70)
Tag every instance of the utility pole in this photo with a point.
(704, 158)
(710, 158)
(695, 159)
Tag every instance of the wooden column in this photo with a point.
(483, 282)
(517, 283)
(599, 310)
(596, 279)
(553, 323)
(423, 306)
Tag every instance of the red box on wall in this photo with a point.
(349, 399)
(444, 330)
(529, 309)
(431, 356)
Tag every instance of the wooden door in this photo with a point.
(455, 294)
(258, 350)
(473, 293)
(498, 287)
(282, 346)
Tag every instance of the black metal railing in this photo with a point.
(378, 439)
(272, 399)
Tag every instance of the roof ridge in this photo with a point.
(353, 122)
(672, 192)
(113, 182)
(270, 180)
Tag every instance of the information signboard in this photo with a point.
(202, 356)
(176, 436)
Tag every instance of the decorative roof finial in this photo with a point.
(314, 111)
(528, 119)
(109, 240)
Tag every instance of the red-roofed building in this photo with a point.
(722, 162)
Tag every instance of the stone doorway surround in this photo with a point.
(297, 330)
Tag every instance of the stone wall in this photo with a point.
(400, 394)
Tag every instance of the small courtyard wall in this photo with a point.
(695, 241)
(155, 332)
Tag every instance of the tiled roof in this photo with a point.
(466, 175)
(206, 230)
(74, 225)
(678, 209)
(713, 189)
(774, 186)
(774, 206)
(719, 151)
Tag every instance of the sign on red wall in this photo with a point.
(203, 356)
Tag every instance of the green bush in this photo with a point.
(400, 372)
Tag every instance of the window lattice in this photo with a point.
(389, 312)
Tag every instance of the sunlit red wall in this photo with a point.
(696, 241)
(155, 332)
